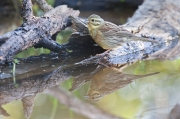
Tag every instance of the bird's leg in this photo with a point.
(102, 58)
(104, 53)
(104, 64)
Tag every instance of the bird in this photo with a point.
(109, 35)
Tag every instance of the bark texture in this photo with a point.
(35, 30)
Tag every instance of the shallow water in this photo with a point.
(152, 97)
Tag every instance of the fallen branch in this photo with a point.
(34, 30)
(160, 23)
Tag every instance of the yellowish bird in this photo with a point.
(109, 35)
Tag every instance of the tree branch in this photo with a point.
(50, 44)
(27, 12)
(43, 5)
(160, 23)
(32, 32)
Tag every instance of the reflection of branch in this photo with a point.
(28, 103)
(3, 112)
(29, 87)
(175, 112)
(79, 106)
(35, 74)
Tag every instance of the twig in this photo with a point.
(43, 5)
(27, 12)
(51, 45)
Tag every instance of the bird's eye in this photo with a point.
(92, 20)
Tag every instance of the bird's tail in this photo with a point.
(142, 76)
(146, 39)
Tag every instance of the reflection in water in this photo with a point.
(104, 81)
(83, 78)
(35, 74)
(28, 88)
(151, 98)
(175, 112)
(143, 100)
(149, 102)
(109, 80)
(152, 102)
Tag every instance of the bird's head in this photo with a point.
(95, 21)
(94, 96)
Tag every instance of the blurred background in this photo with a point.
(147, 98)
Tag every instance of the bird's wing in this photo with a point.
(108, 26)
(122, 36)
(117, 36)
(119, 33)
